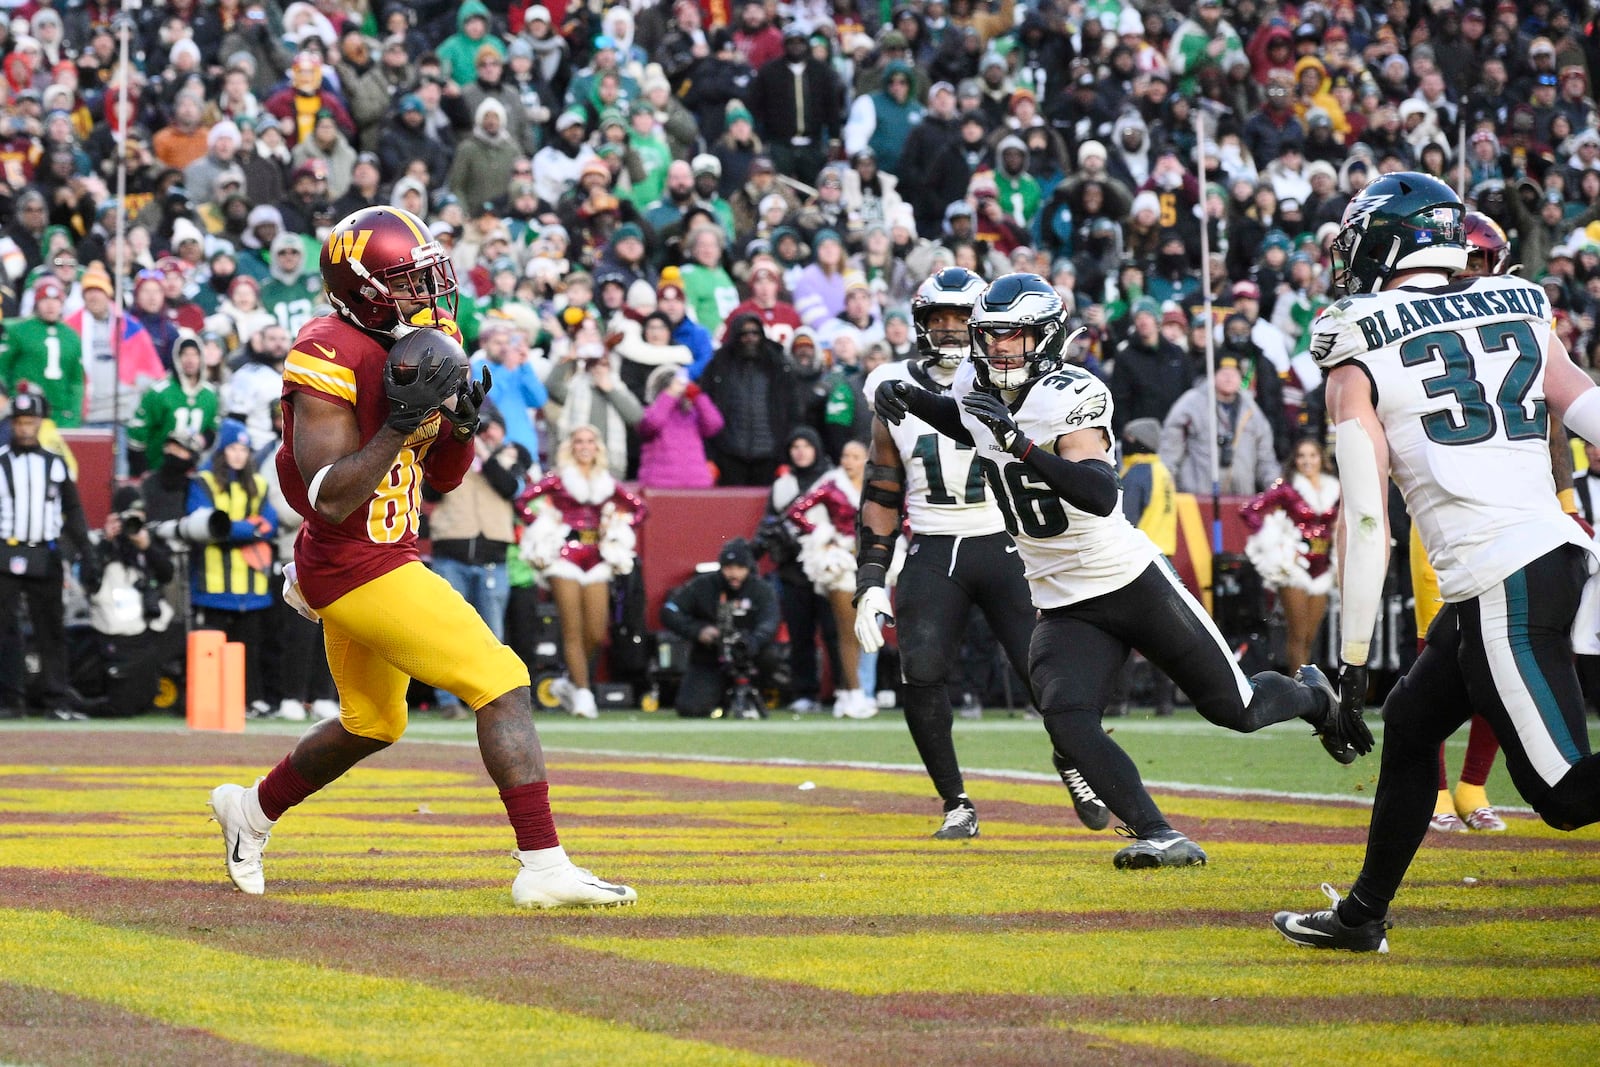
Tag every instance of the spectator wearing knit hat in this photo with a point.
(43, 351)
(481, 172)
(137, 362)
(222, 146)
(409, 137)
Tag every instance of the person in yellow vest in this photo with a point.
(1148, 500)
(229, 578)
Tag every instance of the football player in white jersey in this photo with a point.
(1043, 433)
(960, 553)
(1447, 387)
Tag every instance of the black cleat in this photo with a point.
(1165, 849)
(1092, 811)
(1330, 723)
(1324, 929)
(960, 823)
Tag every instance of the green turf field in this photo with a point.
(1180, 751)
(789, 912)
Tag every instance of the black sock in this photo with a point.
(1353, 911)
(958, 802)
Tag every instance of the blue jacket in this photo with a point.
(514, 394)
(698, 338)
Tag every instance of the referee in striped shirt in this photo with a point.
(39, 508)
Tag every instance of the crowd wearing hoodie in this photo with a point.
(627, 190)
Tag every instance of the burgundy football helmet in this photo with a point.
(1487, 247)
(380, 257)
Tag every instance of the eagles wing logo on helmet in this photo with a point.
(1359, 211)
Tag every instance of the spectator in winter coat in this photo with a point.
(408, 138)
(798, 102)
(481, 171)
(941, 172)
(1246, 460)
(1150, 372)
(752, 385)
(491, 82)
(678, 419)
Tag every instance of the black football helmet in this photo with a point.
(1403, 221)
(954, 288)
(1015, 302)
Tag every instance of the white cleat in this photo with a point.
(242, 845)
(325, 709)
(563, 689)
(565, 885)
(292, 710)
(583, 705)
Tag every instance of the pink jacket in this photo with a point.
(672, 436)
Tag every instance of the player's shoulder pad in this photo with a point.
(1335, 336)
(887, 372)
(1081, 398)
(330, 338)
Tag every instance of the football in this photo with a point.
(411, 351)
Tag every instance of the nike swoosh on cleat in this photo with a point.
(1294, 926)
(1010, 549)
(236, 857)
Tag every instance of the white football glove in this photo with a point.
(869, 632)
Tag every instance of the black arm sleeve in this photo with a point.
(940, 412)
(1088, 485)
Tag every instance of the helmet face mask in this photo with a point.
(1017, 308)
(1397, 223)
(386, 275)
(952, 289)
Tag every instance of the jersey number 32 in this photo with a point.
(1459, 380)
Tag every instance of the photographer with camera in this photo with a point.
(729, 617)
(132, 620)
(1247, 461)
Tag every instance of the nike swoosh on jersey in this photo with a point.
(327, 353)
(1011, 548)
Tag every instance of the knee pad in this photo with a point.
(924, 667)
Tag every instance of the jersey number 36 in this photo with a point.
(1031, 509)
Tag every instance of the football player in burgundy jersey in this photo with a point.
(376, 400)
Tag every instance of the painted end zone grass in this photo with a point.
(775, 924)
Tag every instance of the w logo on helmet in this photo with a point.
(349, 244)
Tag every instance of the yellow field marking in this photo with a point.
(1345, 1044)
(1510, 960)
(309, 1010)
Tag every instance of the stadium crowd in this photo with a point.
(689, 230)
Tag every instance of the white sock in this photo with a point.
(252, 810)
(541, 859)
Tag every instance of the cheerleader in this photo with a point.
(579, 533)
(1292, 531)
(826, 519)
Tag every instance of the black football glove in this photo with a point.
(990, 410)
(1352, 697)
(469, 401)
(411, 403)
(890, 400)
